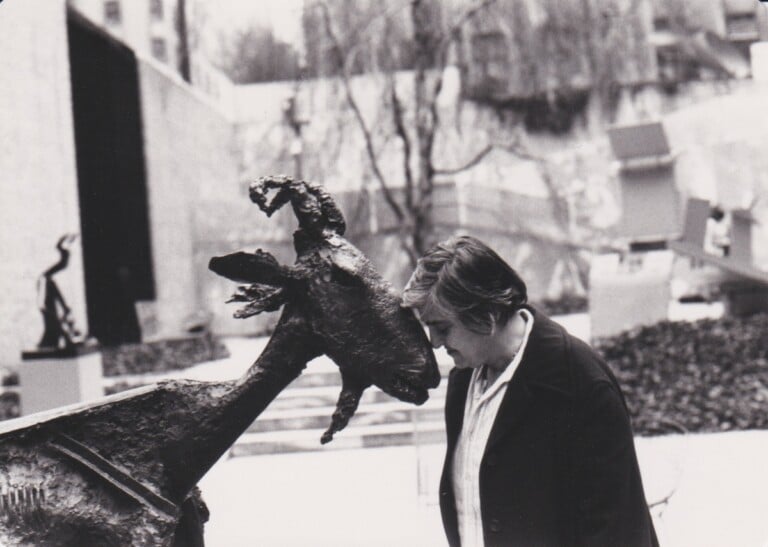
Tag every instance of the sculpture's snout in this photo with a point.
(412, 382)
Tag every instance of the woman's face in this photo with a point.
(468, 349)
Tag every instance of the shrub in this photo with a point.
(163, 355)
(564, 305)
(708, 375)
(9, 405)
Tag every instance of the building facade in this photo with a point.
(150, 27)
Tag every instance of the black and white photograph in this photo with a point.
(357, 273)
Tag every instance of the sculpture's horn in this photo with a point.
(313, 206)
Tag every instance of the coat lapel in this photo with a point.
(542, 367)
(455, 400)
(513, 408)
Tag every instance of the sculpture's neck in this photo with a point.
(286, 355)
(282, 361)
(60, 264)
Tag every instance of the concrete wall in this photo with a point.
(189, 159)
(38, 180)
(199, 204)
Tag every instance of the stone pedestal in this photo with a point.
(50, 379)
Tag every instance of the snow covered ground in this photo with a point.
(715, 485)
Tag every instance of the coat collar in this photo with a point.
(544, 366)
(544, 363)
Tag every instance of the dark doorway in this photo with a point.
(112, 181)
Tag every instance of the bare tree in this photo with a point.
(254, 54)
(424, 41)
(433, 28)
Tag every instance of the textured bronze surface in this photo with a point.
(114, 472)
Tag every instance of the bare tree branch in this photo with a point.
(513, 147)
(442, 55)
(450, 36)
(432, 40)
(602, 69)
(664, 500)
(335, 44)
(680, 428)
(397, 114)
(477, 158)
(406, 242)
(561, 208)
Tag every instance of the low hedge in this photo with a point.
(9, 405)
(564, 305)
(162, 355)
(702, 376)
(150, 357)
(708, 375)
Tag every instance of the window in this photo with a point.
(741, 26)
(156, 9)
(112, 15)
(159, 49)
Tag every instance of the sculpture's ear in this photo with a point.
(259, 298)
(268, 280)
(259, 267)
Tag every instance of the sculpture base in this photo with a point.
(50, 379)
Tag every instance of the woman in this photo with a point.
(540, 448)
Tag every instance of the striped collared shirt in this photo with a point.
(479, 414)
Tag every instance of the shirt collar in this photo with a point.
(509, 372)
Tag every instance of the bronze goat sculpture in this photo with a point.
(120, 471)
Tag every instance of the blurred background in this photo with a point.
(610, 150)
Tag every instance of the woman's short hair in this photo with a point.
(464, 278)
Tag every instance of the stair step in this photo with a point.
(328, 375)
(369, 414)
(305, 440)
(297, 418)
(297, 397)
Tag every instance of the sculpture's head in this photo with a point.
(65, 242)
(354, 315)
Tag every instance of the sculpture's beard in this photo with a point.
(408, 383)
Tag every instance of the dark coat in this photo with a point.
(560, 466)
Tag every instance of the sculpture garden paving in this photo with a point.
(121, 471)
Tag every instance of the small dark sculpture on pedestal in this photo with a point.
(120, 471)
(59, 327)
